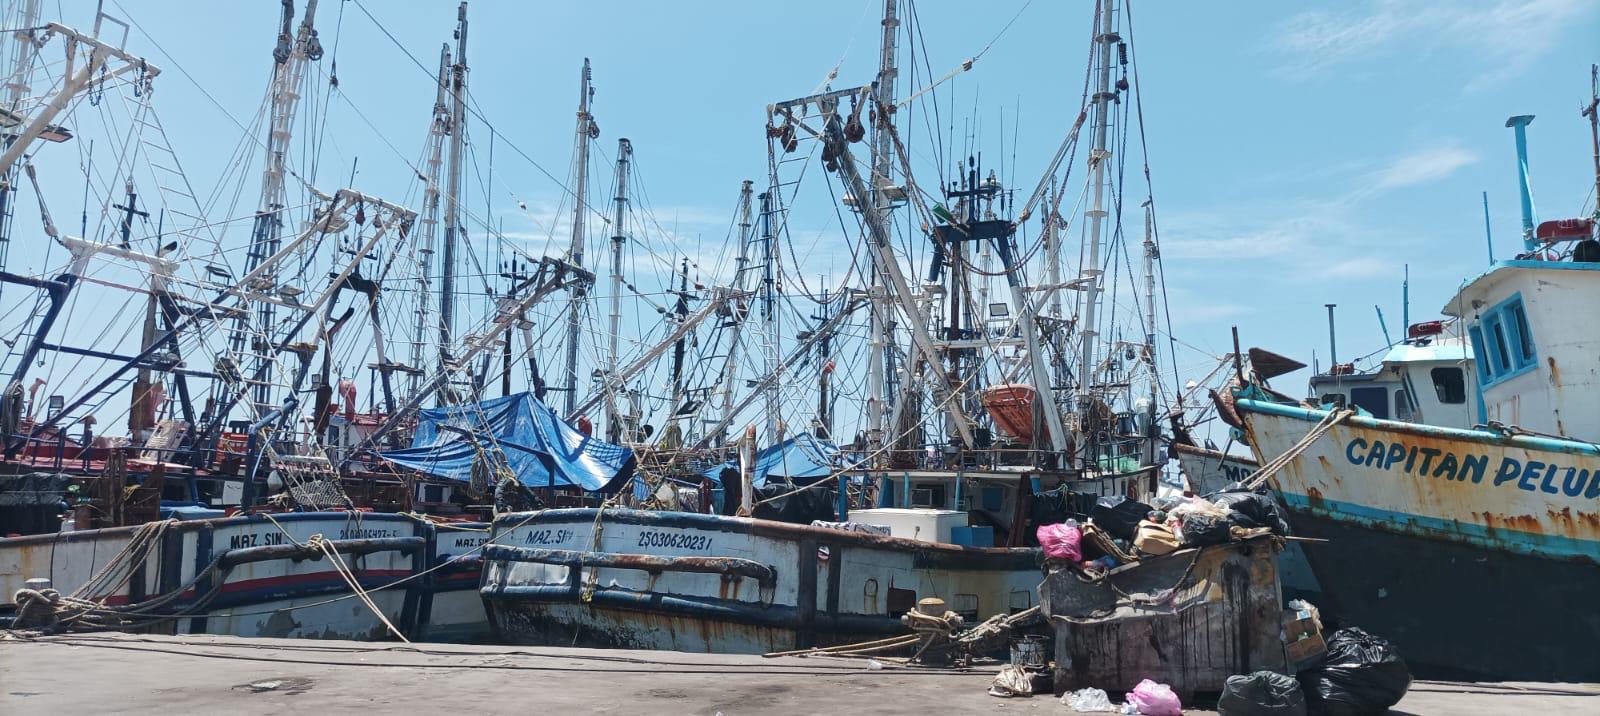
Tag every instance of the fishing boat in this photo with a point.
(1472, 548)
(224, 510)
(986, 409)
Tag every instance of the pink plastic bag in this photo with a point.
(1060, 541)
(1153, 699)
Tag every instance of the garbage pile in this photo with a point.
(1149, 698)
(1120, 531)
(1351, 673)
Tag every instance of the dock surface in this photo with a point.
(143, 674)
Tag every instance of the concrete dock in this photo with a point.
(142, 674)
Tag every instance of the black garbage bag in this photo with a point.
(1200, 529)
(1251, 509)
(1264, 693)
(1119, 516)
(1361, 674)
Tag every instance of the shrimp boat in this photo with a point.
(1471, 548)
(171, 528)
(986, 405)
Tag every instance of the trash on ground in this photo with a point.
(1263, 693)
(1361, 674)
(1155, 699)
(1089, 700)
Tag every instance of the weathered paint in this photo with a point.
(271, 586)
(1469, 549)
(1519, 494)
(1210, 470)
(829, 585)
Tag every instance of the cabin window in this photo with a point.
(1372, 400)
(927, 494)
(1449, 384)
(994, 498)
(1334, 399)
(1502, 342)
(967, 606)
(1402, 405)
(901, 601)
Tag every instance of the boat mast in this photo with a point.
(437, 131)
(290, 57)
(619, 236)
(18, 87)
(1151, 253)
(452, 197)
(586, 131)
(880, 368)
(1593, 113)
(730, 366)
(1090, 270)
(769, 318)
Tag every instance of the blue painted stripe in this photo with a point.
(1511, 541)
(1483, 437)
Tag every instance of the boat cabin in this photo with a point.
(1425, 378)
(1536, 343)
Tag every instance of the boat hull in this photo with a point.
(265, 586)
(772, 586)
(1474, 552)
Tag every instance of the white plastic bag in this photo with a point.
(1089, 700)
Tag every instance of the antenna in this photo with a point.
(1405, 303)
(1488, 236)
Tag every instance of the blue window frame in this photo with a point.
(1502, 342)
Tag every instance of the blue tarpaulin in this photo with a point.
(802, 459)
(540, 447)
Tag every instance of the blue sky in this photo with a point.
(1302, 153)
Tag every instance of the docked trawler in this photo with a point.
(982, 414)
(1473, 549)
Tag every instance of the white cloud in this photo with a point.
(1424, 166)
(1360, 267)
(1503, 38)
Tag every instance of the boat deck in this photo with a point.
(132, 673)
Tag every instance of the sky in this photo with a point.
(1301, 154)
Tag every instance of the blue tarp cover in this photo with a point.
(801, 459)
(537, 444)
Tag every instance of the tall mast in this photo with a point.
(618, 238)
(730, 366)
(1150, 256)
(585, 132)
(429, 224)
(290, 57)
(1098, 157)
(18, 86)
(878, 361)
(1052, 243)
(452, 197)
(1593, 113)
(769, 317)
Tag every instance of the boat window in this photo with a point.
(1502, 342)
(901, 601)
(1519, 323)
(1402, 405)
(1334, 399)
(1372, 400)
(1449, 384)
(994, 498)
(1497, 344)
(927, 494)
